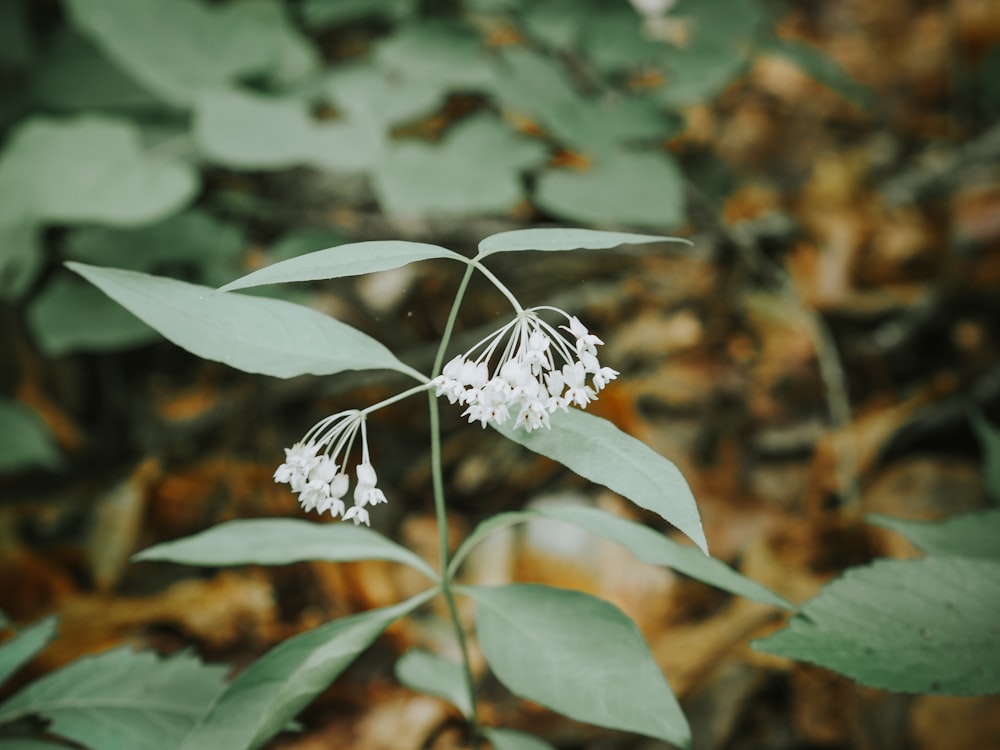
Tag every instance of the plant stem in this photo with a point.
(440, 511)
(499, 285)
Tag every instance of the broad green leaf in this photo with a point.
(475, 169)
(91, 169)
(25, 442)
(253, 334)
(121, 699)
(913, 626)
(821, 67)
(21, 256)
(646, 544)
(265, 696)
(510, 739)
(989, 441)
(352, 259)
(375, 97)
(535, 86)
(20, 649)
(179, 48)
(75, 75)
(322, 13)
(597, 450)
(965, 535)
(557, 23)
(556, 239)
(577, 655)
(249, 131)
(637, 188)
(70, 315)
(434, 675)
(614, 42)
(279, 541)
(448, 54)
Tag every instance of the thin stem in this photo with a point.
(437, 481)
(398, 397)
(499, 285)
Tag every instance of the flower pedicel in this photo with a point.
(541, 368)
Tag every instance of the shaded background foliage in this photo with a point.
(815, 357)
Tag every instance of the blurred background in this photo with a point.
(827, 348)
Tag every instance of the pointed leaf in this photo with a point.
(434, 675)
(253, 334)
(353, 259)
(509, 739)
(556, 239)
(578, 655)
(914, 626)
(121, 699)
(270, 692)
(965, 535)
(280, 541)
(597, 450)
(646, 544)
(22, 647)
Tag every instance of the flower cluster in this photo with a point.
(539, 370)
(313, 470)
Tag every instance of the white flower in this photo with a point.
(538, 370)
(315, 468)
(358, 514)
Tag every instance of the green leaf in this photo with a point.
(280, 541)
(352, 259)
(91, 169)
(180, 48)
(637, 188)
(121, 699)
(265, 696)
(369, 95)
(597, 450)
(71, 316)
(558, 239)
(646, 544)
(25, 442)
(510, 739)
(75, 75)
(248, 131)
(557, 23)
(577, 655)
(821, 67)
(322, 13)
(914, 626)
(253, 334)
(20, 649)
(21, 256)
(475, 169)
(450, 55)
(434, 675)
(965, 535)
(989, 441)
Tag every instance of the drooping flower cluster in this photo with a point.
(314, 469)
(541, 369)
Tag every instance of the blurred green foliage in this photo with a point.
(136, 133)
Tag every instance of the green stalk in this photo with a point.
(437, 481)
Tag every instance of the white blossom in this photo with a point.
(316, 468)
(528, 367)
